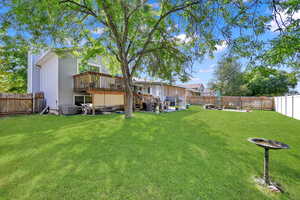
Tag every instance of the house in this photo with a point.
(193, 89)
(65, 81)
(192, 92)
(208, 92)
(176, 95)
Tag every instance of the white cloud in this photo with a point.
(98, 31)
(222, 46)
(282, 17)
(213, 66)
(183, 38)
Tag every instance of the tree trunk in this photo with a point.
(129, 103)
(129, 92)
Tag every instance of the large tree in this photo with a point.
(13, 63)
(228, 77)
(284, 48)
(266, 81)
(159, 38)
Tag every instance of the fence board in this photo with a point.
(20, 103)
(288, 105)
(258, 103)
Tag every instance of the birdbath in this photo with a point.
(267, 145)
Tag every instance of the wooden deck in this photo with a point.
(93, 81)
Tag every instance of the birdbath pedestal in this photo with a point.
(267, 145)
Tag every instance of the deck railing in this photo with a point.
(97, 81)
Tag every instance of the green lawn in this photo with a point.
(194, 154)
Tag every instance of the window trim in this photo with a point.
(78, 95)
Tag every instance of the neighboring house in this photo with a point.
(65, 81)
(165, 92)
(192, 92)
(208, 92)
(193, 89)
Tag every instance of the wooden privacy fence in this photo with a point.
(21, 103)
(236, 102)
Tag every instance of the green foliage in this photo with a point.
(142, 36)
(263, 81)
(229, 78)
(160, 39)
(285, 47)
(13, 63)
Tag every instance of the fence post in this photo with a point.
(7, 104)
(281, 104)
(222, 105)
(292, 106)
(33, 102)
(241, 103)
(285, 104)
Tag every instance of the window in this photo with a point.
(149, 90)
(82, 99)
(87, 99)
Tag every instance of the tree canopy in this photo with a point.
(229, 77)
(231, 80)
(159, 38)
(284, 49)
(13, 63)
(264, 81)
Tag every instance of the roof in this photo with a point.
(157, 83)
(190, 86)
(193, 90)
(45, 54)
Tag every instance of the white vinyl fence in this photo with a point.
(288, 105)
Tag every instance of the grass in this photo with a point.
(195, 154)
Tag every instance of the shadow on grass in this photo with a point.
(167, 156)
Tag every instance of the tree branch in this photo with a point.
(275, 16)
(162, 16)
(84, 8)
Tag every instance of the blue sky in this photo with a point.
(203, 71)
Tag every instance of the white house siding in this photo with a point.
(33, 74)
(49, 81)
(158, 91)
(67, 68)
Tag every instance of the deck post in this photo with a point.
(33, 102)
(93, 103)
